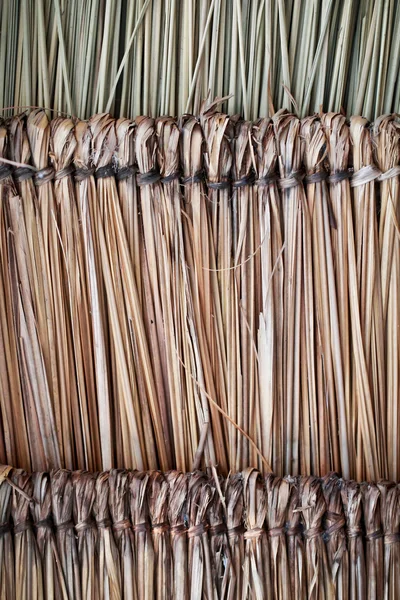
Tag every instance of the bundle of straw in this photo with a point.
(28, 573)
(6, 540)
(53, 575)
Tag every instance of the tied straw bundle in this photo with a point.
(315, 550)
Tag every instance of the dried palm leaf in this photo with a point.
(108, 565)
(370, 301)
(178, 520)
(374, 555)
(199, 561)
(54, 583)
(84, 486)
(77, 307)
(271, 319)
(14, 443)
(28, 574)
(335, 536)
(62, 499)
(7, 561)
(144, 551)
(38, 131)
(278, 495)
(158, 497)
(352, 506)
(386, 139)
(296, 549)
(122, 528)
(256, 566)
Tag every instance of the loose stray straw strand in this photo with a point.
(126, 55)
(228, 418)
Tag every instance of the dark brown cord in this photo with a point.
(295, 178)
(218, 529)
(244, 181)
(219, 185)
(276, 531)
(198, 177)
(5, 172)
(267, 180)
(392, 538)
(339, 176)
(103, 524)
(254, 534)
(197, 530)
(125, 172)
(160, 528)
(338, 522)
(170, 177)
(316, 177)
(84, 525)
(44, 176)
(105, 172)
(313, 533)
(83, 173)
(21, 527)
(65, 526)
(354, 532)
(141, 527)
(234, 531)
(64, 172)
(22, 174)
(178, 530)
(46, 523)
(122, 525)
(375, 535)
(292, 531)
(148, 178)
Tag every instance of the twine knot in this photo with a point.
(23, 173)
(64, 172)
(65, 526)
(295, 178)
(44, 176)
(83, 173)
(254, 534)
(197, 530)
(148, 178)
(195, 178)
(122, 525)
(125, 172)
(84, 525)
(46, 523)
